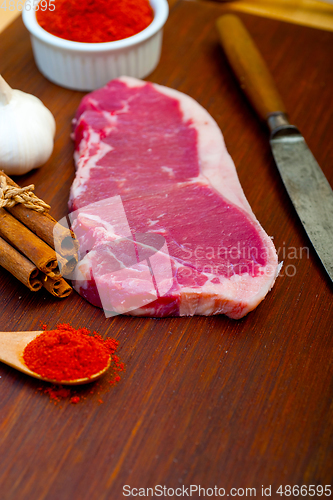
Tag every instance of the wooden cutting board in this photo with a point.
(203, 401)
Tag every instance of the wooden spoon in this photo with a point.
(12, 345)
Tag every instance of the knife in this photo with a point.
(307, 186)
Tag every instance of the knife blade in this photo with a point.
(305, 182)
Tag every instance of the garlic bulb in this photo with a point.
(27, 131)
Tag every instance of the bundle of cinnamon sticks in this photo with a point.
(27, 246)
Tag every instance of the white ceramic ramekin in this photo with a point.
(88, 66)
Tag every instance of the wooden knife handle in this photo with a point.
(249, 66)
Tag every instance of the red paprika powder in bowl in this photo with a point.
(82, 44)
(99, 21)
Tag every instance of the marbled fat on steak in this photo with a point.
(162, 155)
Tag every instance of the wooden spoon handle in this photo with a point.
(249, 66)
(12, 345)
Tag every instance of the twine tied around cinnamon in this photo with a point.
(10, 196)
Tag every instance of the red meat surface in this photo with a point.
(163, 223)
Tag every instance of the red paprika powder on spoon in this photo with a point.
(69, 354)
(95, 21)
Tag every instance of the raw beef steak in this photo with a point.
(156, 163)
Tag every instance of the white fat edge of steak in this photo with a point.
(235, 295)
(84, 161)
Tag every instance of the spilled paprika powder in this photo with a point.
(69, 354)
(95, 21)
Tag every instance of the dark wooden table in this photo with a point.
(204, 401)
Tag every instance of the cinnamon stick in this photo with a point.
(66, 266)
(58, 287)
(24, 240)
(19, 266)
(43, 225)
